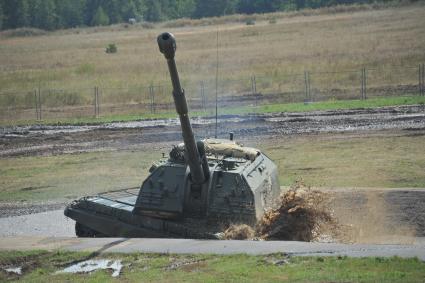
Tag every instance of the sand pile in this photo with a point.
(302, 214)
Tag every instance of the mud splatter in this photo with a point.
(302, 214)
(344, 216)
(239, 232)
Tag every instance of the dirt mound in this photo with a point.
(239, 232)
(302, 214)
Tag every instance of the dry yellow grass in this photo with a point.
(331, 42)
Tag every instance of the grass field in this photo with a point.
(40, 266)
(350, 160)
(381, 159)
(332, 41)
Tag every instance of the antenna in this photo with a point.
(216, 91)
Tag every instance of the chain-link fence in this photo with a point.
(203, 96)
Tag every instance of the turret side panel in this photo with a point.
(262, 177)
(162, 193)
(230, 198)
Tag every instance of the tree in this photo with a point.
(128, 10)
(22, 13)
(90, 8)
(43, 14)
(100, 18)
(261, 6)
(70, 13)
(16, 12)
(214, 8)
(154, 11)
(141, 8)
(182, 9)
(1, 15)
(113, 9)
(53, 14)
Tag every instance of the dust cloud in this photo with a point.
(313, 215)
(368, 218)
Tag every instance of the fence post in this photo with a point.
(421, 79)
(203, 102)
(36, 104)
(39, 103)
(254, 89)
(152, 97)
(98, 101)
(160, 94)
(95, 101)
(307, 86)
(364, 84)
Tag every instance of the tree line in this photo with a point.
(58, 14)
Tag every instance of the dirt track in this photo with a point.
(365, 215)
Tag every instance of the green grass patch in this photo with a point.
(343, 104)
(69, 176)
(387, 159)
(270, 108)
(41, 266)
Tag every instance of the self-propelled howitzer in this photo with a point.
(194, 193)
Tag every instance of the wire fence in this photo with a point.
(249, 93)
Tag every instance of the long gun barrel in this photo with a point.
(167, 46)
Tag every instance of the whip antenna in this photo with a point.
(216, 90)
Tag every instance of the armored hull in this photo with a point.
(200, 189)
(240, 191)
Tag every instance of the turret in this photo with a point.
(167, 46)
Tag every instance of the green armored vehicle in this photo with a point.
(200, 189)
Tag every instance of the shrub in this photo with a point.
(272, 21)
(250, 22)
(111, 48)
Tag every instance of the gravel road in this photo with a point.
(50, 223)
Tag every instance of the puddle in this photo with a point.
(21, 131)
(89, 266)
(16, 270)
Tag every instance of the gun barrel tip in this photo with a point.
(167, 44)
